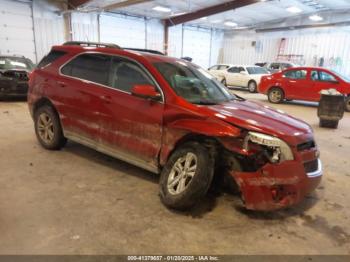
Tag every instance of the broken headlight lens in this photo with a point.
(277, 150)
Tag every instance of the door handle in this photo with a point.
(61, 84)
(106, 99)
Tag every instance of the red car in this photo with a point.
(303, 83)
(171, 117)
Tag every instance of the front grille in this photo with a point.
(306, 146)
(311, 166)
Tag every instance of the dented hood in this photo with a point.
(260, 118)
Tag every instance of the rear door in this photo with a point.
(322, 80)
(79, 88)
(130, 125)
(232, 76)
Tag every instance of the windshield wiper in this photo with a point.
(238, 98)
(207, 103)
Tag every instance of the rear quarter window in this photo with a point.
(50, 57)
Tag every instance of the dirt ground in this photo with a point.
(78, 201)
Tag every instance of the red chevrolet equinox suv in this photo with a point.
(171, 117)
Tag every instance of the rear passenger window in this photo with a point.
(234, 70)
(295, 74)
(126, 74)
(216, 67)
(223, 67)
(50, 57)
(91, 67)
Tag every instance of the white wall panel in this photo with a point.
(333, 45)
(122, 30)
(197, 45)
(203, 45)
(84, 27)
(49, 26)
(216, 52)
(175, 41)
(16, 29)
(155, 35)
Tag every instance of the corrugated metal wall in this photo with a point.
(125, 31)
(203, 45)
(330, 45)
(49, 25)
(85, 27)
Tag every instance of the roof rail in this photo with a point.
(95, 44)
(144, 50)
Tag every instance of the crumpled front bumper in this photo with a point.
(276, 186)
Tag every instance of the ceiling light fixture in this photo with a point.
(294, 9)
(316, 18)
(162, 9)
(204, 18)
(216, 21)
(231, 24)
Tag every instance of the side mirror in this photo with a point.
(146, 91)
(243, 72)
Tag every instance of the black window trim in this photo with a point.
(319, 71)
(295, 69)
(105, 86)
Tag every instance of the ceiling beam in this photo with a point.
(212, 10)
(124, 4)
(73, 4)
(298, 27)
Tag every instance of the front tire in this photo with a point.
(252, 86)
(275, 95)
(186, 177)
(48, 128)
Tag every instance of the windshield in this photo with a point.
(15, 63)
(193, 83)
(256, 70)
(344, 77)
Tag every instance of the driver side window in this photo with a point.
(125, 74)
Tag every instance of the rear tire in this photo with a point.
(48, 128)
(347, 104)
(223, 81)
(275, 95)
(186, 177)
(252, 86)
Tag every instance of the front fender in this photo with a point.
(176, 131)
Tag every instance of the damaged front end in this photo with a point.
(275, 175)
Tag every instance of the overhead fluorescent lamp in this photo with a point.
(231, 24)
(216, 21)
(162, 9)
(204, 18)
(316, 18)
(294, 10)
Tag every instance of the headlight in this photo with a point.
(279, 149)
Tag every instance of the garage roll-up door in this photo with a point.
(16, 29)
(196, 44)
(126, 32)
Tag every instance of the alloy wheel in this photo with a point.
(182, 173)
(45, 128)
(275, 96)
